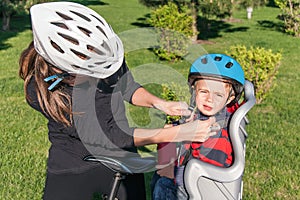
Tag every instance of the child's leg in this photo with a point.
(154, 179)
(165, 189)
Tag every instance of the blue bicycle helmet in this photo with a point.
(218, 66)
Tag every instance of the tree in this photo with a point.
(174, 29)
(207, 8)
(191, 4)
(9, 8)
(290, 14)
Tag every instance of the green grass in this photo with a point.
(272, 158)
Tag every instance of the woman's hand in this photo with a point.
(196, 131)
(142, 97)
(173, 108)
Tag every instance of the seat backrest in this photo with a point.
(206, 181)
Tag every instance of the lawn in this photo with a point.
(272, 157)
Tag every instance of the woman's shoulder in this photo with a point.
(31, 94)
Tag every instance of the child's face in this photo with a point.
(212, 96)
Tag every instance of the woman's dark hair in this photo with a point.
(57, 103)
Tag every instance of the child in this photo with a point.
(216, 82)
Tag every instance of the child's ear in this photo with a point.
(230, 99)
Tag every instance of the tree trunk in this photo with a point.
(194, 8)
(5, 21)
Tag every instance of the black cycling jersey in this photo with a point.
(67, 149)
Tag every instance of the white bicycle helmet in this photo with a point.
(76, 39)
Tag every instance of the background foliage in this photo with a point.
(260, 67)
(9, 8)
(174, 29)
(174, 92)
(290, 14)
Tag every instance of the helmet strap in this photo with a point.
(191, 107)
(222, 117)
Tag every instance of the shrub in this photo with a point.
(175, 30)
(260, 67)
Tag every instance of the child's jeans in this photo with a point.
(164, 188)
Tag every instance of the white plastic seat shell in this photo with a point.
(204, 181)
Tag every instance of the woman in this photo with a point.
(73, 48)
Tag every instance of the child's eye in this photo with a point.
(220, 95)
(203, 91)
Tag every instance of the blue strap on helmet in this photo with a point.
(58, 77)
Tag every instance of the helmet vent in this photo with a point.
(66, 17)
(101, 30)
(99, 63)
(60, 25)
(83, 69)
(204, 60)
(107, 67)
(98, 19)
(218, 58)
(69, 38)
(85, 31)
(229, 65)
(75, 67)
(117, 46)
(95, 50)
(55, 46)
(105, 45)
(80, 55)
(81, 15)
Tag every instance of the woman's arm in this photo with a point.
(197, 131)
(142, 97)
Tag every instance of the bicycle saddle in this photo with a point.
(128, 165)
